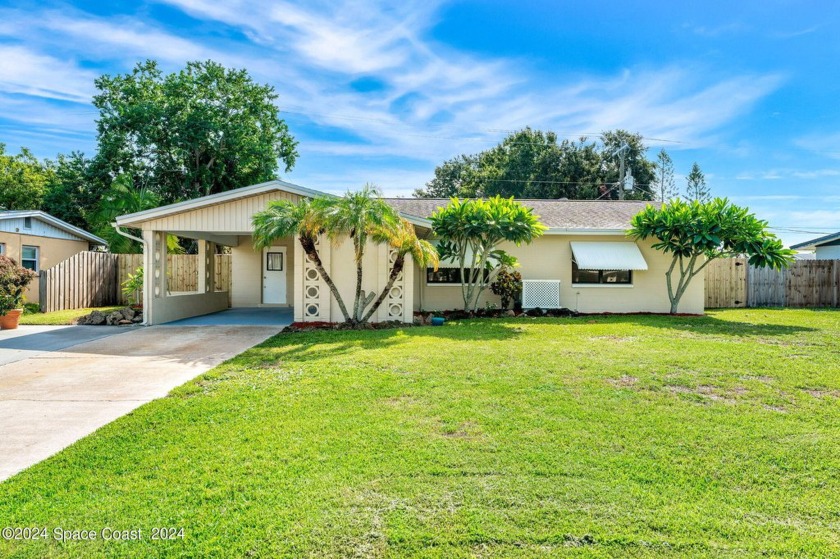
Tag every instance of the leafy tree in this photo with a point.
(471, 232)
(23, 180)
(695, 233)
(535, 164)
(73, 190)
(203, 130)
(664, 187)
(635, 162)
(696, 189)
(454, 177)
(121, 199)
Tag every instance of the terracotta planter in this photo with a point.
(9, 321)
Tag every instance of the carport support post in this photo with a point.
(154, 272)
(206, 266)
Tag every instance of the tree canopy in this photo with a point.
(23, 180)
(471, 231)
(203, 130)
(695, 233)
(535, 164)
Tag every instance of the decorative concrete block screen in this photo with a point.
(543, 294)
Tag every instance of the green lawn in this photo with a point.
(59, 318)
(616, 436)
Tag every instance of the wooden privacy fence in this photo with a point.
(94, 279)
(732, 282)
(86, 279)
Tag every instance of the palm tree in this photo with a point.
(121, 199)
(404, 240)
(305, 219)
(359, 215)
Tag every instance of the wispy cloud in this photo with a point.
(430, 102)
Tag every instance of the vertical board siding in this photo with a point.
(94, 279)
(807, 283)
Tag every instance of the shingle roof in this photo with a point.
(555, 214)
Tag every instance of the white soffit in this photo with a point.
(608, 256)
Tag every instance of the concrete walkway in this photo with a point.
(29, 341)
(52, 398)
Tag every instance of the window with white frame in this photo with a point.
(29, 257)
(2, 248)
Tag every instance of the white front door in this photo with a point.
(274, 276)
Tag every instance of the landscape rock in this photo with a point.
(137, 318)
(113, 318)
(95, 318)
(128, 313)
(123, 322)
(509, 313)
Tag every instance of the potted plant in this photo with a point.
(13, 282)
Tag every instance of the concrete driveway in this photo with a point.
(52, 397)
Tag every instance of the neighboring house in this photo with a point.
(824, 248)
(585, 249)
(38, 241)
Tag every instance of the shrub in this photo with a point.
(508, 286)
(13, 282)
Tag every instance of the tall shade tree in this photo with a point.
(695, 187)
(405, 242)
(471, 232)
(360, 215)
(23, 180)
(532, 163)
(203, 130)
(305, 220)
(664, 187)
(695, 233)
(73, 191)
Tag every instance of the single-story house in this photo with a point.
(38, 241)
(824, 248)
(585, 259)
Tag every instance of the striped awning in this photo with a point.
(608, 256)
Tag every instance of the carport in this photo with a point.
(246, 316)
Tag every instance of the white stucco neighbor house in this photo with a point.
(824, 248)
(584, 261)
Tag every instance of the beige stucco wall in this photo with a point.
(338, 259)
(247, 268)
(550, 257)
(51, 252)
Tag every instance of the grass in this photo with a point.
(615, 436)
(59, 318)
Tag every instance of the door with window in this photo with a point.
(274, 276)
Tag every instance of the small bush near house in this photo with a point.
(508, 286)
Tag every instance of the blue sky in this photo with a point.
(384, 91)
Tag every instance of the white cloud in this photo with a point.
(23, 71)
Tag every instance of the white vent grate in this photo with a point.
(543, 294)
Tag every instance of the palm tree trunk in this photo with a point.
(308, 244)
(392, 277)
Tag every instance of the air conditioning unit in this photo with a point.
(542, 294)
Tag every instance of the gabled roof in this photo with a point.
(814, 243)
(55, 222)
(220, 198)
(560, 216)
